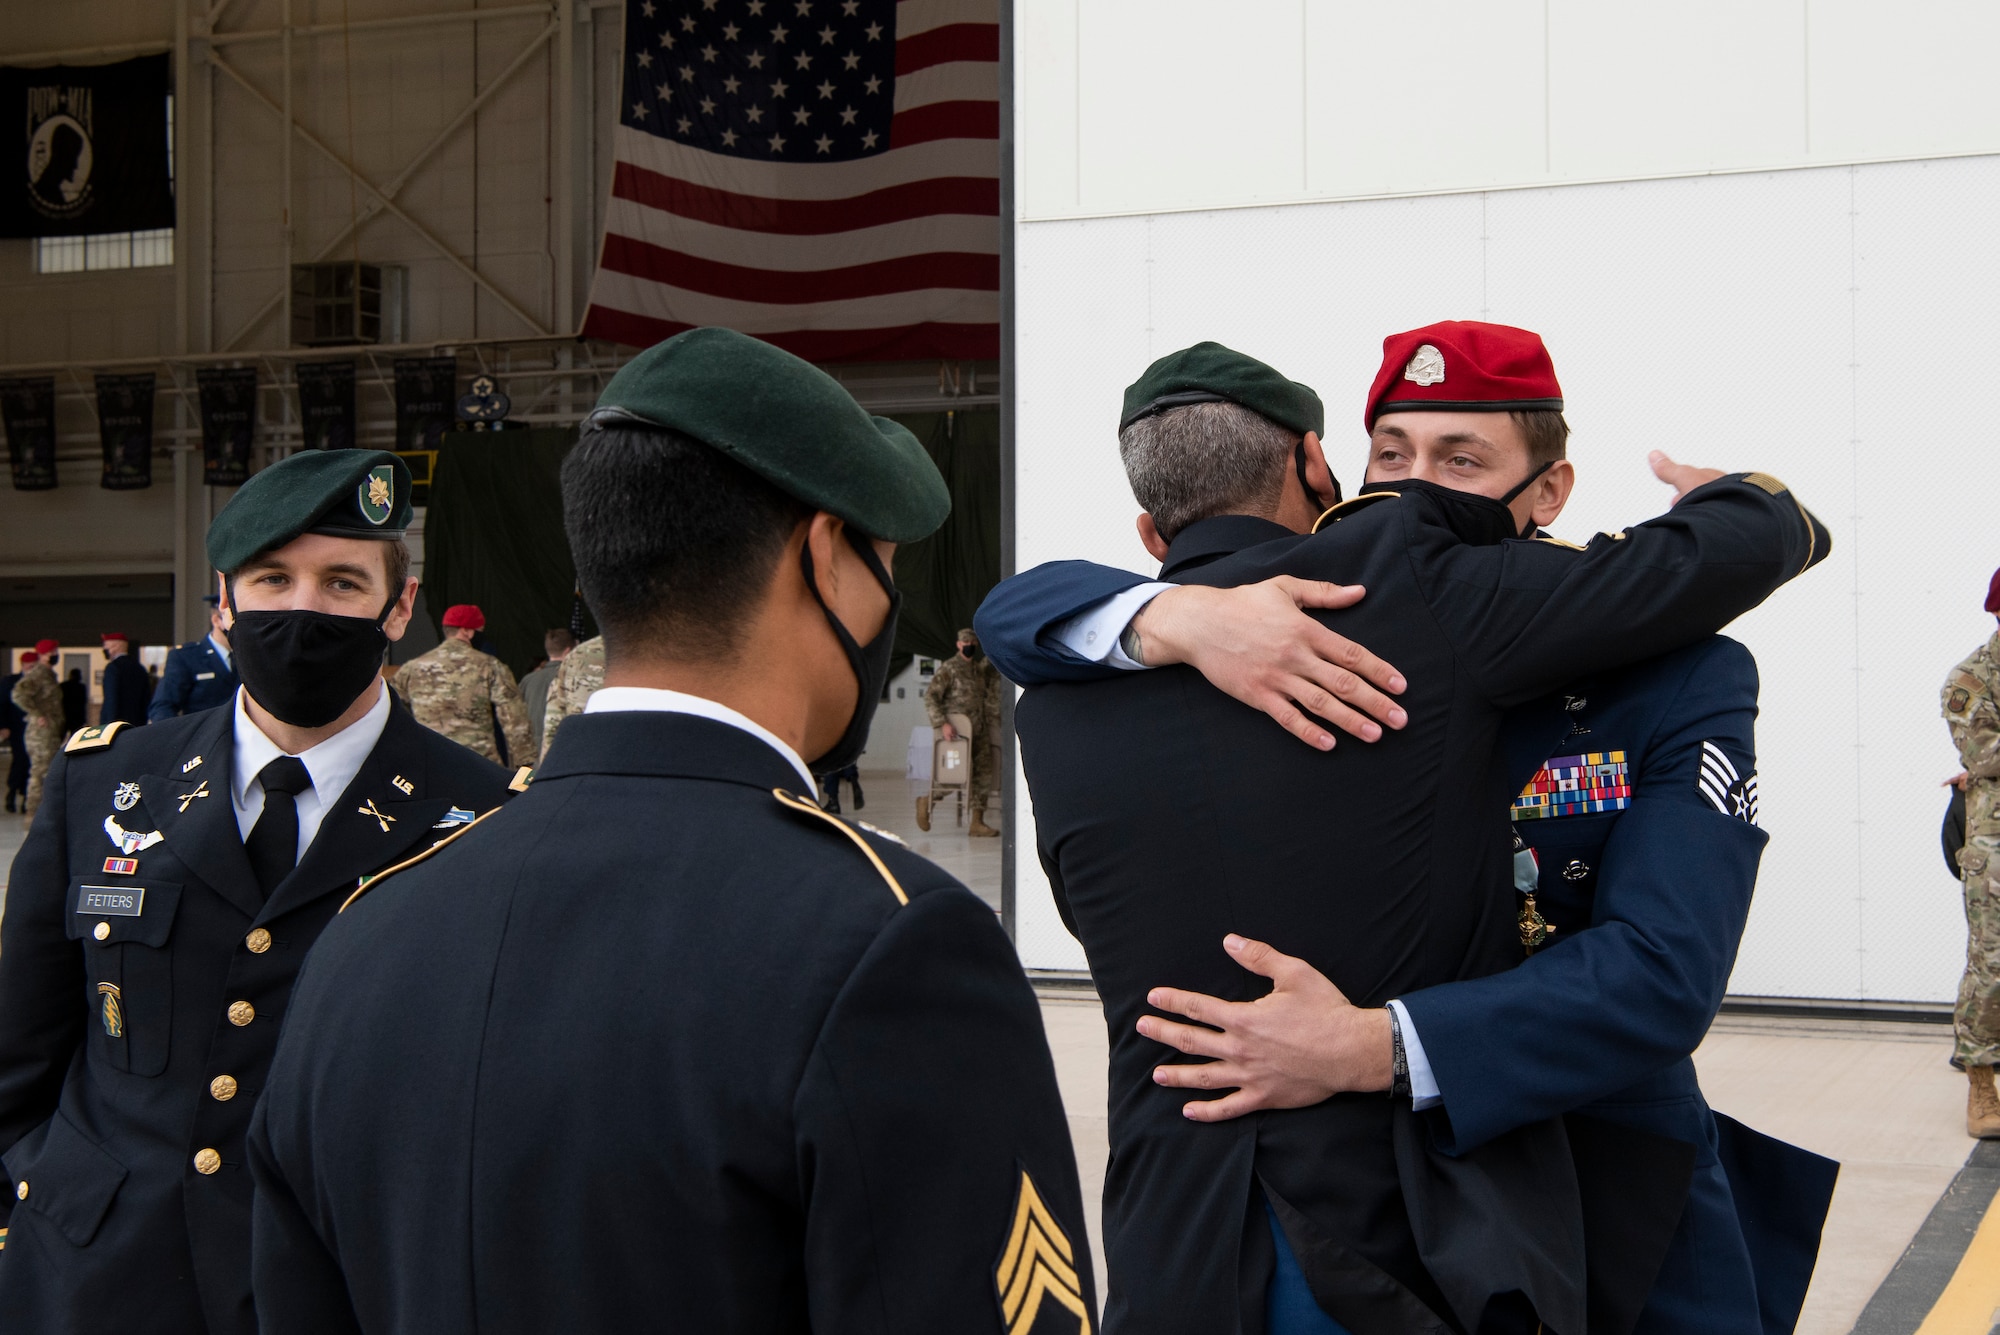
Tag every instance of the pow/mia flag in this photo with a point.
(83, 148)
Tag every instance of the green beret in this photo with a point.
(788, 422)
(342, 493)
(1211, 373)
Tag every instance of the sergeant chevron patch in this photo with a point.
(1576, 786)
(1036, 1268)
(1722, 788)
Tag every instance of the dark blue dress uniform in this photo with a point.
(1643, 829)
(127, 687)
(1257, 847)
(143, 979)
(196, 678)
(663, 1046)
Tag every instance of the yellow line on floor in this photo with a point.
(1969, 1303)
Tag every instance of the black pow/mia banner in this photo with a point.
(29, 408)
(125, 421)
(228, 423)
(83, 148)
(426, 400)
(326, 404)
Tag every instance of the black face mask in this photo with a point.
(870, 661)
(1479, 520)
(971, 652)
(307, 667)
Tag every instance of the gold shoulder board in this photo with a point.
(1562, 542)
(522, 778)
(370, 882)
(881, 867)
(1765, 482)
(92, 739)
(1349, 506)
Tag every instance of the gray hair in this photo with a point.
(1203, 460)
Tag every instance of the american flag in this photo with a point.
(823, 174)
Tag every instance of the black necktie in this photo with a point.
(273, 844)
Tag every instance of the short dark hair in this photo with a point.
(1547, 434)
(558, 641)
(674, 542)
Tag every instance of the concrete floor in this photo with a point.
(1876, 1096)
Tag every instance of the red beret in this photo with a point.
(110, 635)
(46, 647)
(1463, 366)
(30, 657)
(1993, 593)
(465, 615)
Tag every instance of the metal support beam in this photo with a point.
(545, 10)
(389, 191)
(561, 169)
(284, 168)
(436, 242)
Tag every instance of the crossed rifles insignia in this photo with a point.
(1037, 1267)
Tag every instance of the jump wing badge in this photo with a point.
(1037, 1268)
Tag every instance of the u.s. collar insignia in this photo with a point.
(127, 841)
(382, 818)
(378, 495)
(402, 785)
(1036, 1266)
(1427, 367)
(191, 764)
(126, 797)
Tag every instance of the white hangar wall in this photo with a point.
(1787, 322)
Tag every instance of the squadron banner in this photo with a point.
(228, 423)
(29, 407)
(83, 149)
(426, 394)
(125, 421)
(326, 404)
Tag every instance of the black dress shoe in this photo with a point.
(832, 804)
(859, 801)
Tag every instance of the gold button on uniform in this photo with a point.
(259, 941)
(21, 1192)
(102, 931)
(241, 1013)
(222, 1088)
(206, 1162)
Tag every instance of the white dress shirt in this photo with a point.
(625, 699)
(1094, 635)
(332, 765)
(221, 650)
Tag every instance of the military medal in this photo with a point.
(121, 866)
(1535, 929)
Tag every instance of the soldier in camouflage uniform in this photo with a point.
(39, 697)
(459, 691)
(575, 682)
(1971, 698)
(968, 685)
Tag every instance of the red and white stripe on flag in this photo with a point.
(823, 174)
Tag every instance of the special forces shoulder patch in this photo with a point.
(1037, 1269)
(1723, 788)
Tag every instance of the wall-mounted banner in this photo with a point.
(83, 148)
(426, 399)
(125, 421)
(29, 408)
(228, 423)
(326, 404)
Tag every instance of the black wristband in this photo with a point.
(1399, 1079)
